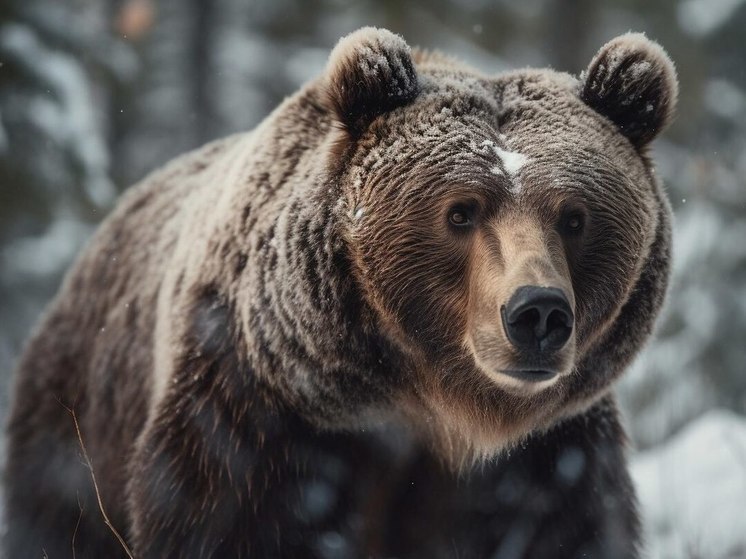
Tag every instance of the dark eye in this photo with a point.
(573, 224)
(460, 217)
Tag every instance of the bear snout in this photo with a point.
(538, 319)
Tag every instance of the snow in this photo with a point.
(704, 17)
(639, 69)
(698, 354)
(372, 62)
(81, 29)
(692, 490)
(68, 116)
(375, 51)
(512, 160)
(46, 254)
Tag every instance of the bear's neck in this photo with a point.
(301, 320)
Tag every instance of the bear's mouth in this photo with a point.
(530, 375)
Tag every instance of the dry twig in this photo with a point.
(77, 524)
(95, 488)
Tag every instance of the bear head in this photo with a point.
(507, 232)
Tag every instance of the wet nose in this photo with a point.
(538, 318)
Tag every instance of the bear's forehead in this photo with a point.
(542, 105)
(516, 130)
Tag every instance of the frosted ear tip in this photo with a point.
(632, 81)
(370, 71)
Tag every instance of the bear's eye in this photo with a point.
(460, 216)
(573, 223)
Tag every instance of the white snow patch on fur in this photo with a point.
(508, 162)
(512, 160)
(639, 69)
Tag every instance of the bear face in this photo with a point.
(503, 229)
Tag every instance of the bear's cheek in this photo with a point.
(605, 274)
(417, 286)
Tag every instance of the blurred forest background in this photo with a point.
(96, 93)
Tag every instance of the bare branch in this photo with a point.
(95, 488)
(77, 524)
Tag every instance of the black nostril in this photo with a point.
(538, 318)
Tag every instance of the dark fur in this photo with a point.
(634, 85)
(265, 350)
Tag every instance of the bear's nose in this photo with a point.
(538, 318)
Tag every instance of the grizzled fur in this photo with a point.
(277, 346)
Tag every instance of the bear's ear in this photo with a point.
(632, 81)
(369, 73)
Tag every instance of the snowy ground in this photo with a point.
(692, 490)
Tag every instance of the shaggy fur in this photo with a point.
(277, 346)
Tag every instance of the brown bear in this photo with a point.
(382, 324)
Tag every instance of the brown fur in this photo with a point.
(300, 282)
